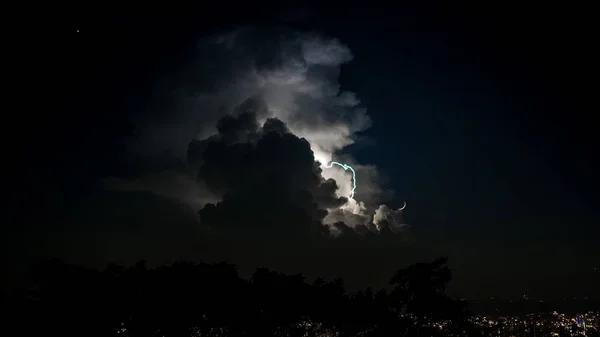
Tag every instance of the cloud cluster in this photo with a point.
(265, 112)
(265, 177)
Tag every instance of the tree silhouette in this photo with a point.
(201, 299)
(419, 291)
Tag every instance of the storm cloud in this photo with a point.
(258, 125)
(266, 178)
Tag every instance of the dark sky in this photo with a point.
(482, 120)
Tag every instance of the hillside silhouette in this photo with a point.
(202, 299)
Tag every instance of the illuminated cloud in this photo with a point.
(292, 77)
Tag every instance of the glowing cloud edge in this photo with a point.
(345, 167)
(348, 167)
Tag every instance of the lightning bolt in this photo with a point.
(346, 168)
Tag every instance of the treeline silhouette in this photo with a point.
(201, 299)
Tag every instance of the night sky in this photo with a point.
(481, 119)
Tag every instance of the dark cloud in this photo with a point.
(267, 178)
